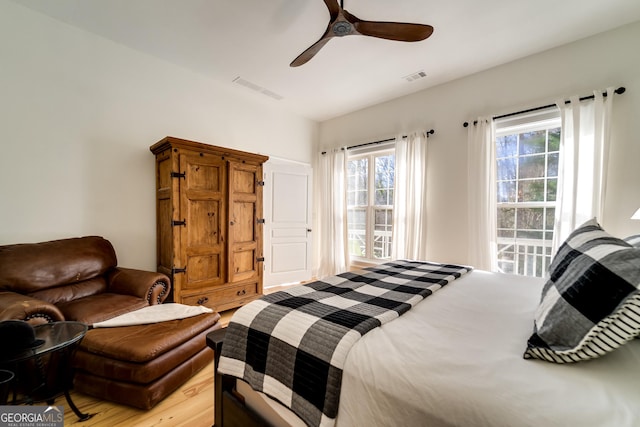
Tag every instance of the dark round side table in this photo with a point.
(45, 372)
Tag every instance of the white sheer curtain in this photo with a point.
(332, 213)
(582, 171)
(482, 204)
(410, 199)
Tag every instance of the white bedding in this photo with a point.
(461, 364)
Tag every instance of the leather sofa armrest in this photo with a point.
(14, 306)
(151, 286)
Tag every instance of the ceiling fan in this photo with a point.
(342, 23)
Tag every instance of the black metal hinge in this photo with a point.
(260, 220)
(260, 183)
(175, 223)
(178, 270)
(261, 259)
(178, 175)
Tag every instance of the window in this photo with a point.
(370, 181)
(527, 176)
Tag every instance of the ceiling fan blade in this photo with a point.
(333, 7)
(305, 56)
(398, 31)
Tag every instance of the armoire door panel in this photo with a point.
(243, 221)
(243, 264)
(202, 175)
(204, 227)
(244, 180)
(203, 270)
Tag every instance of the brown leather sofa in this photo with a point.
(72, 279)
(78, 279)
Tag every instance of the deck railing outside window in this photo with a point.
(381, 243)
(527, 257)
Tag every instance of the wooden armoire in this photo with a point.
(209, 222)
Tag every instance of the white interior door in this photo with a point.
(287, 231)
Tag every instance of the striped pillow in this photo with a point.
(590, 303)
(633, 240)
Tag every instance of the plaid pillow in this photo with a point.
(633, 240)
(590, 304)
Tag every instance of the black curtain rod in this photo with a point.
(619, 91)
(429, 132)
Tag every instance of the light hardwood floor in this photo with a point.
(189, 406)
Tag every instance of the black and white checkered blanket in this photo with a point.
(292, 344)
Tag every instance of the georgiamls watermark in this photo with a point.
(31, 416)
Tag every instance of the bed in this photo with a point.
(456, 359)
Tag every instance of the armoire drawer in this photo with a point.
(224, 299)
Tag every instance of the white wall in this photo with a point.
(608, 59)
(78, 114)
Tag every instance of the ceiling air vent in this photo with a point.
(415, 76)
(239, 80)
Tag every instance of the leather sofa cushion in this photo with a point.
(30, 267)
(97, 308)
(142, 343)
(141, 373)
(66, 293)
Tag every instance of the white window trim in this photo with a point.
(370, 152)
(539, 120)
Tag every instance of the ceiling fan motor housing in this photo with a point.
(341, 28)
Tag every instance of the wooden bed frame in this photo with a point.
(229, 406)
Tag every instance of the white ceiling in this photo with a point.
(257, 39)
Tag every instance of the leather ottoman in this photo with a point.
(141, 365)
